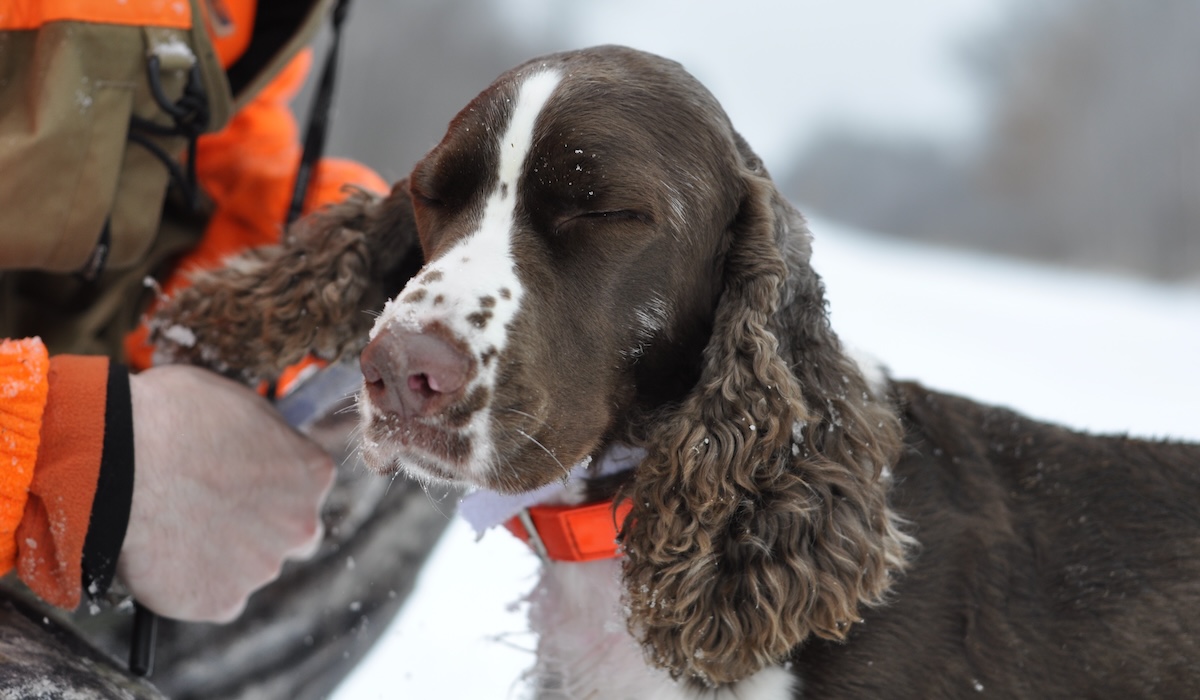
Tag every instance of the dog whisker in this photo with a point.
(540, 421)
(544, 449)
(433, 500)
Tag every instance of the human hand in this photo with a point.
(224, 492)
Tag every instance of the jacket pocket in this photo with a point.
(69, 173)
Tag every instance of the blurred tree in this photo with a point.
(1091, 154)
(1097, 134)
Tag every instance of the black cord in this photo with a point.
(141, 643)
(318, 117)
(189, 115)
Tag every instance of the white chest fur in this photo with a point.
(585, 651)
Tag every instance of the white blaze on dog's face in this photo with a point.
(573, 240)
(470, 294)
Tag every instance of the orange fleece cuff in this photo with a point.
(52, 533)
(23, 387)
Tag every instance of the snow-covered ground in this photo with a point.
(1086, 350)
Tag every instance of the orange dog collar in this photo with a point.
(571, 533)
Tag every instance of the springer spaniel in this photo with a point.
(616, 307)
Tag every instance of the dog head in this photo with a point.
(607, 259)
(573, 221)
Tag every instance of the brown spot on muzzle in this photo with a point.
(479, 319)
(459, 414)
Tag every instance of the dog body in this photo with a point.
(607, 262)
(1052, 564)
(1044, 554)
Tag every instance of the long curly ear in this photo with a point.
(759, 515)
(313, 293)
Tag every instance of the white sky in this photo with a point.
(784, 68)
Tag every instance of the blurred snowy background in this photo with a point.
(1005, 198)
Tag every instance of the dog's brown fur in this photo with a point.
(311, 294)
(745, 538)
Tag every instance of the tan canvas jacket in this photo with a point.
(88, 92)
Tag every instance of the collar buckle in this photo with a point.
(532, 538)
